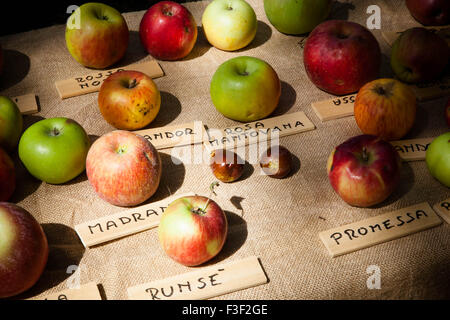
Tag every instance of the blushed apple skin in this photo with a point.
(430, 12)
(23, 250)
(7, 176)
(364, 183)
(341, 56)
(129, 100)
(438, 158)
(191, 238)
(123, 168)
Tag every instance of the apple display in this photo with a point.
(123, 168)
(129, 100)
(96, 35)
(430, 12)
(385, 108)
(296, 16)
(245, 89)
(11, 123)
(341, 56)
(54, 150)
(438, 158)
(226, 165)
(364, 170)
(23, 250)
(193, 230)
(229, 25)
(419, 55)
(276, 162)
(168, 31)
(7, 176)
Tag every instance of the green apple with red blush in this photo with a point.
(438, 158)
(11, 124)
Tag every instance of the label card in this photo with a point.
(258, 131)
(338, 107)
(205, 283)
(412, 150)
(391, 36)
(27, 103)
(175, 136)
(123, 223)
(382, 228)
(443, 209)
(88, 291)
(91, 83)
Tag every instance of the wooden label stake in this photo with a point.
(443, 209)
(205, 283)
(124, 223)
(92, 82)
(332, 109)
(389, 226)
(412, 150)
(27, 103)
(88, 291)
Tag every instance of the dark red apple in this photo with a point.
(430, 12)
(226, 165)
(364, 170)
(168, 31)
(7, 176)
(341, 56)
(23, 250)
(276, 162)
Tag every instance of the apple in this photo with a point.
(54, 150)
(23, 250)
(229, 25)
(7, 176)
(430, 12)
(296, 16)
(168, 31)
(245, 89)
(438, 158)
(385, 108)
(123, 168)
(97, 35)
(276, 162)
(226, 165)
(364, 170)
(192, 230)
(341, 56)
(11, 123)
(447, 112)
(129, 100)
(419, 55)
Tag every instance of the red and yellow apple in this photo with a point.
(430, 12)
(129, 100)
(7, 176)
(226, 165)
(168, 31)
(23, 250)
(123, 168)
(364, 170)
(193, 230)
(385, 108)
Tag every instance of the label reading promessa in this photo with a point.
(27, 103)
(443, 209)
(412, 150)
(336, 108)
(123, 223)
(88, 291)
(382, 228)
(205, 283)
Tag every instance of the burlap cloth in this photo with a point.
(276, 220)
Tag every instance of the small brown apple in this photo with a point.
(276, 162)
(226, 165)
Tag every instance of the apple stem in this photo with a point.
(132, 84)
(365, 155)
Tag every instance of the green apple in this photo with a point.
(296, 16)
(245, 89)
(438, 158)
(229, 24)
(11, 123)
(54, 150)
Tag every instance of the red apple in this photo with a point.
(226, 165)
(7, 176)
(129, 100)
(124, 168)
(341, 56)
(447, 112)
(276, 162)
(430, 12)
(364, 170)
(192, 230)
(23, 250)
(168, 31)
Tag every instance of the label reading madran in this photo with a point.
(412, 150)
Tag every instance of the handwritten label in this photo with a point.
(391, 36)
(27, 104)
(258, 131)
(92, 82)
(205, 283)
(379, 229)
(124, 223)
(412, 150)
(177, 135)
(335, 108)
(443, 209)
(88, 291)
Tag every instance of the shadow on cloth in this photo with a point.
(201, 46)
(16, 66)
